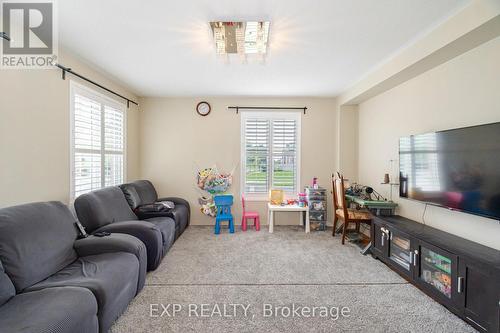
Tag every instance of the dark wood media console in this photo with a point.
(461, 275)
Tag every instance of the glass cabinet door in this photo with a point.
(400, 250)
(436, 271)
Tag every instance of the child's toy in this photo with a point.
(207, 206)
(276, 197)
(249, 216)
(302, 199)
(212, 181)
(223, 205)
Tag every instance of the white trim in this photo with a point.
(266, 114)
(104, 100)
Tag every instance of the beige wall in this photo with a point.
(174, 138)
(35, 129)
(476, 24)
(348, 141)
(461, 92)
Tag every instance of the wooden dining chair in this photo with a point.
(342, 212)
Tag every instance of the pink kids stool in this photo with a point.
(249, 215)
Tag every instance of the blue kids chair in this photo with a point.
(223, 205)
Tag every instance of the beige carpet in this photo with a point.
(262, 271)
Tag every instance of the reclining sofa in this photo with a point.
(106, 210)
(142, 192)
(52, 282)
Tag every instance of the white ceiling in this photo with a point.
(316, 48)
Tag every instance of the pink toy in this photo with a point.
(249, 215)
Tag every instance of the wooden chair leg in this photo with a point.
(344, 232)
(357, 227)
(334, 225)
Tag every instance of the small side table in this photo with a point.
(288, 208)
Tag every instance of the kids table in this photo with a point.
(288, 208)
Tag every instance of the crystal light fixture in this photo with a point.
(240, 37)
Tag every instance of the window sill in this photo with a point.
(265, 197)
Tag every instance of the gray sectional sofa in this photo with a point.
(53, 282)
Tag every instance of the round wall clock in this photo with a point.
(203, 108)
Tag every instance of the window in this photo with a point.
(270, 152)
(97, 141)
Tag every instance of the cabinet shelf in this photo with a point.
(460, 274)
(439, 268)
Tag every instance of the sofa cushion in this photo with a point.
(131, 195)
(36, 241)
(355, 214)
(99, 208)
(7, 290)
(112, 278)
(166, 225)
(53, 310)
(116, 242)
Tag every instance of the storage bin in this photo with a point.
(317, 202)
(317, 216)
(317, 205)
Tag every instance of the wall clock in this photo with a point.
(203, 108)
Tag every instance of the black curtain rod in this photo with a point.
(68, 70)
(4, 36)
(238, 108)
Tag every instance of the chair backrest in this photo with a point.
(36, 241)
(102, 207)
(223, 204)
(339, 193)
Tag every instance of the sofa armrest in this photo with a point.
(179, 201)
(115, 242)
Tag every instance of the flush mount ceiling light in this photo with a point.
(240, 37)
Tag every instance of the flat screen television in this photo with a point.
(458, 169)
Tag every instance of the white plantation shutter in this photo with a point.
(257, 137)
(87, 144)
(98, 141)
(284, 155)
(113, 143)
(270, 152)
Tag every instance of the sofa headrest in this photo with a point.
(7, 290)
(145, 190)
(36, 241)
(102, 207)
(131, 195)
